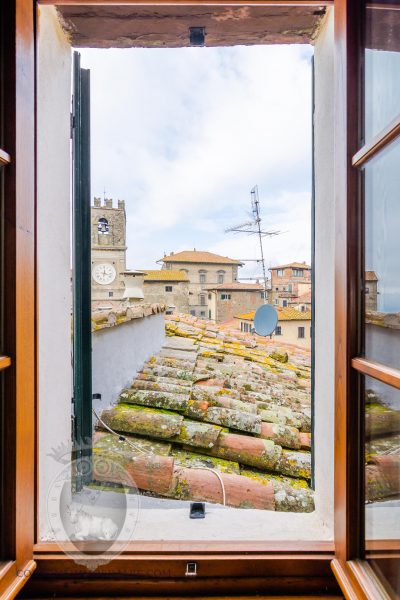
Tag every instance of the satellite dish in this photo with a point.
(265, 320)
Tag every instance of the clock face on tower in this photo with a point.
(104, 273)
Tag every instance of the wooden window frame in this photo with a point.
(18, 367)
(223, 567)
(354, 574)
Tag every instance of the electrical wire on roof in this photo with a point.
(122, 438)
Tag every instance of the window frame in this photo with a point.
(354, 574)
(269, 560)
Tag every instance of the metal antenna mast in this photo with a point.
(253, 227)
(255, 205)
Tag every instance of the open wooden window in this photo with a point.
(17, 295)
(226, 567)
(368, 504)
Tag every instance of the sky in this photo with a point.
(182, 135)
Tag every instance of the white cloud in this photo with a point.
(183, 134)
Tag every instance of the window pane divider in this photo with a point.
(378, 371)
(5, 361)
(377, 143)
(5, 158)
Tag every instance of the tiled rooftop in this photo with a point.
(198, 256)
(370, 276)
(295, 265)
(165, 275)
(214, 401)
(284, 314)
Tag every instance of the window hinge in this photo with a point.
(71, 125)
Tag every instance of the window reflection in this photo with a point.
(382, 65)
(382, 479)
(382, 272)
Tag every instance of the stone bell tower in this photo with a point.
(108, 249)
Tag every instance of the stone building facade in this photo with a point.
(289, 282)
(202, 269)
(112, 284)
(167, 287)
(294, 326)
(371, 291)
(226, 300)
(108, 250)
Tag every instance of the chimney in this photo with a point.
(97, 202)
(108, 202)
(121, 204)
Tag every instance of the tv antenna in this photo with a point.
(253, 227)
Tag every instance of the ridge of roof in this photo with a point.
(200, 256)
(296, 265)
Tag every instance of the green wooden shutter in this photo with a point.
(82, 342)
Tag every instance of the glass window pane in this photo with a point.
(382, 252)
(382, 65)
(382, 477)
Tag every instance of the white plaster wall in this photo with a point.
(53, 259)
(324, 271)
(54, 296)
(119, 352)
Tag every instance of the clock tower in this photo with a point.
(108, 250)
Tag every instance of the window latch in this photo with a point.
(191, 569)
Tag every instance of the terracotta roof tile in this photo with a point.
(296, 265)
(284, 314)
(195, 256)
(370, 276)
(165, 275)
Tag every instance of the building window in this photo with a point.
(202, 276)
(298, 273)
(367, 290)
(289, 287)
(110, 294)
(278, 330)
(302, 308)
(202, 299)
(276, 301)
(300, 331)
(221, 275)
(103, 226)
(168, 288)
(279, 272)
(209, 296)
(203, 313)
(209, 314)
(193, 313)
(284, 303)
(277, 289)
(225, 296)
